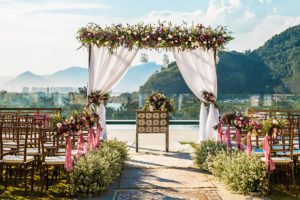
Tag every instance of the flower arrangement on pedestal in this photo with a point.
(158, 102)
(272, 127)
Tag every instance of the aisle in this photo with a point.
(154, 174)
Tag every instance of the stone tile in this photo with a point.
(188, 194)
(164, 178)
(164, 160)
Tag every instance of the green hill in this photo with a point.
(272, 68)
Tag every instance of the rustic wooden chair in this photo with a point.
(281, 152)
(19, 163)
(50, 162)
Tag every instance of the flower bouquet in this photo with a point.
(90, 117)
(241, 122)
(76, 122)
(254, 126)
(59, 126)
(209, 98)
(158, 102)
(272, 126)
(97, 97)
(228, 119)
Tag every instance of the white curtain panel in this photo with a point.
(202, 123)
(106, 69)
(199, 72)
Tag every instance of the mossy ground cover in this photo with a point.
(58, 189)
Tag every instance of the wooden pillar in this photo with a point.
(90, 49)
(215, 56)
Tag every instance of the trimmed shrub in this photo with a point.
(205, 150)
(94, 172)
(239, 172)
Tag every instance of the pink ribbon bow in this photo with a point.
(238, 140)
(220, 132)
(68, 160)
(98, 135)
(91, 139)
(266, 148)
(249, 148)
(228, 138)
(80, 145)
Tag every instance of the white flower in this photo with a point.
(59, 125)
(159, 38)
(204, 42)
(129, 31)
(134, 33)
(148, 36)
(275, 121)
(190, 38)
(241, 118)
(170, 36)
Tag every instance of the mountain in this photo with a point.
(70, 77)
(78, 77)
(272, 68)
(25, 79)
(136, 76)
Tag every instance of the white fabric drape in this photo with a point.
(106, 69)
(199, 72)
(212, 120)
(202, 123)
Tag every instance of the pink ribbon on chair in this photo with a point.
(249, 148)
(238, 140)
(228, 136)
(80, 145)
(91, 139)
(220, 132)
(68, 160)
(98, 135)
(266, 148)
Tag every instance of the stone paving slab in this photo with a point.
(188, 194)
(181, 178)
(160, 160)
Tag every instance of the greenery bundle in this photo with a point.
(94, 172)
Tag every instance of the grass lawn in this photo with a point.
(278, 190)
(57, 190)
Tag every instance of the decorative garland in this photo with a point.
(153, 37)
(158, 102)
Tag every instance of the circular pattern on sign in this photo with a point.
(163, 129)
(148, 129)
(148, 115)
(155, 129)
(163, 115)
(155, 122)
(163, 122)
(141, 115)
(141, 130)
(155, 115)
(141, 122)
(149, 123)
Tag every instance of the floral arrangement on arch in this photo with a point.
(90, 117)
(209, 98)
(149, 36)
(272, 126)
(158, 102)
(97, 97)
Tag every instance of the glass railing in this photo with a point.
(123, 106)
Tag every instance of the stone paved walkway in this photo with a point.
(152, 174)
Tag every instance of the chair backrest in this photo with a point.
(1, 142)
(8, 127)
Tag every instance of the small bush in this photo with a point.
(205, 150)
(94, 172)
(239, 172)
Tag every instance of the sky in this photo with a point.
(39, 35)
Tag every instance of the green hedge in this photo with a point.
(237, 171)
(97, 170)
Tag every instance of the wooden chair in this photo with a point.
(50, 162)
(22, 164)
(281, 152)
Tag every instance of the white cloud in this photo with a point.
(249, 14)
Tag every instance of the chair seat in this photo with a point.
(62, 152)
(17, 159)
(30, 151)
(287, 153)
(279, 160)
(55, 160)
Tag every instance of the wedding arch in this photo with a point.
(113, 48)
